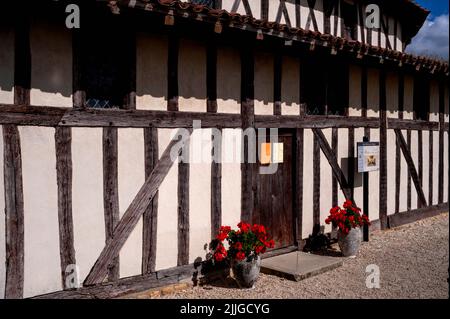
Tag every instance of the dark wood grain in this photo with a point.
(248, 121)
(383, 153)
(150, 217)
(14, 213)
(298, 201)
(111, 191)
(63, 146)
(216, 185)
(183, 207)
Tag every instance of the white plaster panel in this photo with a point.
(42, 272)
(167, 238)
(131, 177)
(87, 197)
(199, 194)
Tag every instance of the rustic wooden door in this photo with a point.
(274, 196)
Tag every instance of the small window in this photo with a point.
(421, 97)
(106, 66)
(324, 85)
(350, 17)
(338, 87)
(313, 86)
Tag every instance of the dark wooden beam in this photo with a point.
(26, 115)
(334, 148)
(411, 167)
(111, 192)
(299, 145)
(383, 152)
(14, 213)
(407, 217)
(316, 185)
(282, 11)
(63, 146)
(351, 160)
(150, 217)
(265, 10)
(129, 285)
(362, 22)
(398, 175)
(408, 184)
(216, 184)
(248, 121)
(183, 207)
(132, 215)
(430, 167)
(311, 16)
(314, 121)
(415, 125)
(332, 160)
(420, 163)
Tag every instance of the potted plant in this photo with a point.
(245, 245)
(349, 221)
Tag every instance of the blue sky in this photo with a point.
(432, 40)
(437, 7)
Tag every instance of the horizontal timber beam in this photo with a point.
(403, 218)
(27, 115)
(128, 285)
(400, 124)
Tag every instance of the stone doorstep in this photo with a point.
(298, 266)
(160, 291)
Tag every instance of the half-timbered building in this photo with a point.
(88, 186)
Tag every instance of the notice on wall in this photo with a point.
(368, 157)
(271, 153)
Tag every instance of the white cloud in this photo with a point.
(432, 39)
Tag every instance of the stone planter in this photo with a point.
(349, 244)
(246, 272)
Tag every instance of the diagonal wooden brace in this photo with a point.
(331, 157)
(411, 167)
(132, 215)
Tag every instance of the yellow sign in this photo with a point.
(271, 153)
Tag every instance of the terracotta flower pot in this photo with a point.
(349, 243)
(246, 272)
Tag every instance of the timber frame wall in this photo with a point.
(145, 203)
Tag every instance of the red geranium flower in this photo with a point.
(244, 226)
(238, 246)
(240, 255)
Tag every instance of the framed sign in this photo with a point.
(271, 153)
(368, 157)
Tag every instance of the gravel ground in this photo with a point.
(413, 261)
